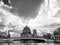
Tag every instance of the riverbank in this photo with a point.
(9, 40)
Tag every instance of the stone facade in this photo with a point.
(34, 33)
(26, 32)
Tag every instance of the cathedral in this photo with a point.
(27, 33)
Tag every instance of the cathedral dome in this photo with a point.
(26, 30)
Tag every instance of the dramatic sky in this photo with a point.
(40, 16)
(26, 8)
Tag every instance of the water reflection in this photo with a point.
(30, 44)
(18, 43)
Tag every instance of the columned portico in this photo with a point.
(57, 37)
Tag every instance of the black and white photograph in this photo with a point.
(29, 22)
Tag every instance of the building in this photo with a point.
(26, 32)
(34, 33)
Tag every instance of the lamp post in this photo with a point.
(8, 34)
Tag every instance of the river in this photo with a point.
(18, 43)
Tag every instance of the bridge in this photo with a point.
(25, 39)
(29, 38)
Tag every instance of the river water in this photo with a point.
(18, 43)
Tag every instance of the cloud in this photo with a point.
(7, 17)
(47, 15)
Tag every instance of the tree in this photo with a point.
(57, 32)
(48, 36)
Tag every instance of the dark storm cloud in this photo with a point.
(26, 8)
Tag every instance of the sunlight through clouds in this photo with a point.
(7, 17)
(46, 16)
